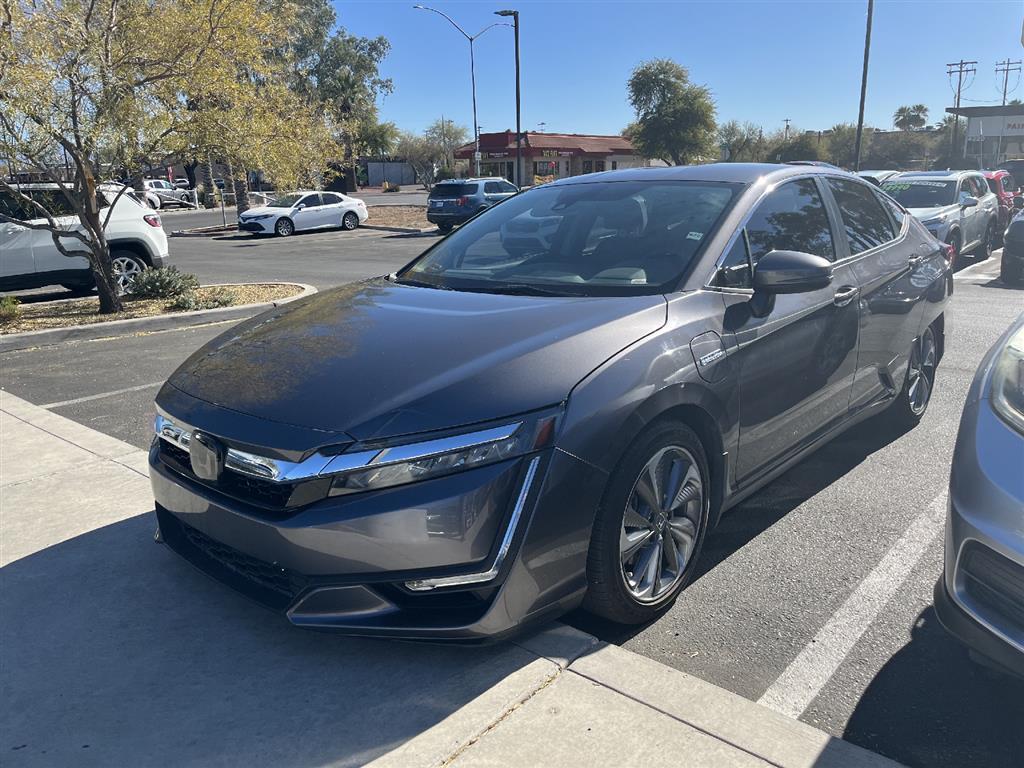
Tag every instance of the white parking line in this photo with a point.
(101, 395)
(814, 666)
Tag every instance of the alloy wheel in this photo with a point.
(350, 221)
(661, 524)
(921, 372)
(125, 270)
(284, 227)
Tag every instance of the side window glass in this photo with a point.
(491, 188)
(11, 206)
(53, 201)
(895, 210)
(965, 190)
(735, 271)
(864, 221)
(506, 187)
(330, 199)
(791, 218)
(1008, 184)
(310, 201)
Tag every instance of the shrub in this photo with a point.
(163, 283)
(10, 309)
(190, 301)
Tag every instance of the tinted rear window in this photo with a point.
(453, 190)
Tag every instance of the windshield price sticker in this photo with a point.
(904, 185)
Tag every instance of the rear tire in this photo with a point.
(126, 267)
(445, 228)
(912, 402)
(644, 550)
(984, 250)
(349, 221)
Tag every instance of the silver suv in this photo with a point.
(456, 201)
(29, 259)
(956, 206)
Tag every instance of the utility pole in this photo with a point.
(1006, 67)
(519, 128)
(959, 69)
(863, 87)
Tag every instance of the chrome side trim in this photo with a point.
(281, 471)
(425, 585)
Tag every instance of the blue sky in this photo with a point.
(763, 61)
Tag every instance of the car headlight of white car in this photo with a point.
(259, 217)
(1008, 382)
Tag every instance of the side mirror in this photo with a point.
(300, 206)
(1018, 202)
(791, 272)
(968, 202)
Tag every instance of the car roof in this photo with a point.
(950, 175)
(474, 178)
(743, 173)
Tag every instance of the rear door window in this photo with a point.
(506, 187)
(331, 199)
(492, 188)
(864, 220)
(791, 218)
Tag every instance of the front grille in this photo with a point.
(995, 585)
(279, 580)
(264, 494)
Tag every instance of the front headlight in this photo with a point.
(259, 217)
(1008, 381)
(936, 222)
(370, 467)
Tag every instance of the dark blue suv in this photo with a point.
(457, 200)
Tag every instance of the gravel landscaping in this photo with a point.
(412, 216)
(67, 312)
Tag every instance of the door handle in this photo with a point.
(915, 259)
(845, 295)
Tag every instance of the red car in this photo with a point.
(1005, 187)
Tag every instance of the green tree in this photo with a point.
(446, 137)
(842, 144)
(905, 118)
(675, 119)
(111, 83)
(378, 139)
(800, 146)
(740, 142)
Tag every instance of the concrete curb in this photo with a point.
(50, 336)
(218, 229)
(409, 230)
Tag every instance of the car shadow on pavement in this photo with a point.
(931, 691)
(765, 508)
(116, 652)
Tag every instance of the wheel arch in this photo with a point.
(136, 247)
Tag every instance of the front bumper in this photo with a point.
(980, 597)
(342, 563)
(252, 226)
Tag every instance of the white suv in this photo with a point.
(29, 259)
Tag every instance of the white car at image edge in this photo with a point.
(303, 211)
(29, 259)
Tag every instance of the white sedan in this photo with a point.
(301, 211)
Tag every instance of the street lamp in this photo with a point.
(472, 73)
(519, 131)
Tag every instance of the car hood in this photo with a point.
(378, 359)
(258, 211)
(930, 213)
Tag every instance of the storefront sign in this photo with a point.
(497, 154)
(995, 125)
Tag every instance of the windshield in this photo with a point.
(602, 238)
(285, 201)
(921, 193)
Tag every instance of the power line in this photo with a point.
(959, 69)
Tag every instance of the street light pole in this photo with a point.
(863, 88)
(472, 73)
(519, 129)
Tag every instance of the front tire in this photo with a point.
(349, 221)
(284, 228)
(650, 527)
(912, 402)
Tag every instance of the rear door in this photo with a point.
(496, 191)
(15, 240)
(888, 259)
(796, 364)
(333, 209)
(311, 216)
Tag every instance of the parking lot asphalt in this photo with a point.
(816, 590)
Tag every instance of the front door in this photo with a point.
(796, 364)
(311, 216)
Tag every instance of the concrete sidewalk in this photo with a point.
(114, 652)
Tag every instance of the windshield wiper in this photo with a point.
(416, 283)
(526, 289)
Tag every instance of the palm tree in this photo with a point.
(906, 118)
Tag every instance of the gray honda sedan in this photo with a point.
(495, 435)
(980, 595)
